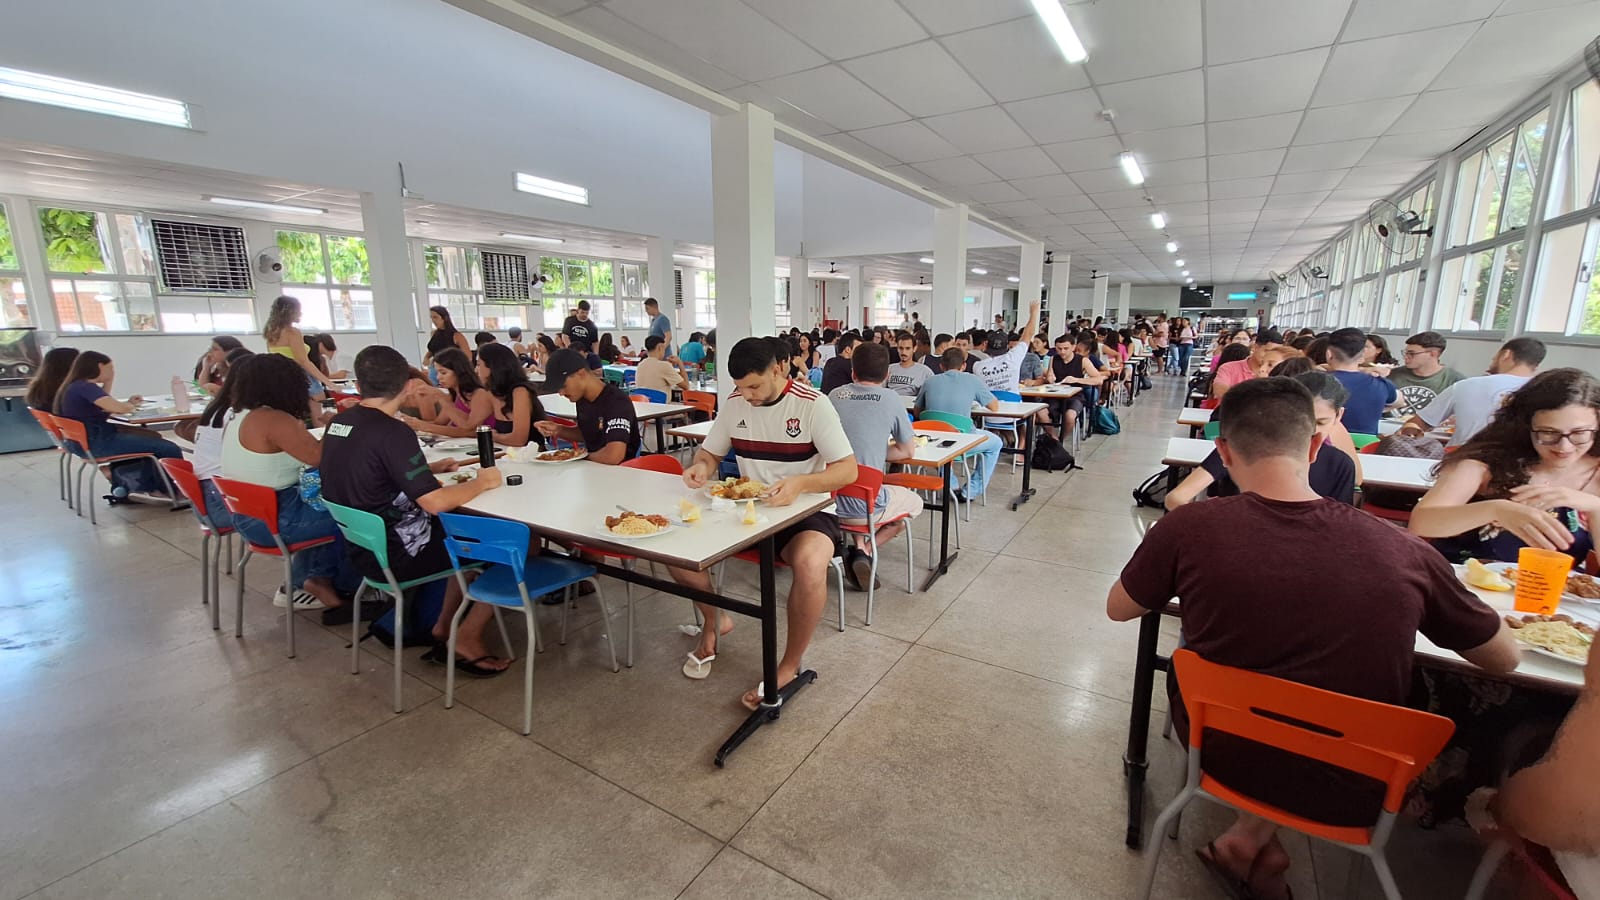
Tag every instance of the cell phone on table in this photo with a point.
(948, 443)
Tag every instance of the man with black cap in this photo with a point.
(579, 330)
(607, 426)
(1002, 370)
(1265, 352)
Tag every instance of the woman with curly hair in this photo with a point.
(285, 339)
(1530, 478)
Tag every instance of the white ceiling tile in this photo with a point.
(1186, 213)
(1511, 7)
(1015, 60)
(1241, 187)
(1168, 143)
(1068, 116)
(1368, 118)
(1335, 155)
(1275, 84)
(1099, 228)
(1164, 101)
(873, 24)
(1081, 156)
(1047, 186)
(1120, 200)
(1045, 221)
(1015, 208)
(1303, 182)
(1132, 39)
(1100, 180)
(1245, 165)
(1367, 70)
(944, 17)
(994, 192)
(1279, 200)
(1378, 179)
(762, 50)
(979, 130)
(958, 170)
(1259, 133)
(1161, 175)
(604, 23)
(1247, 29)
(922, 79)
(1023, 162)
(1375, 18)
(1184, 193)
(1073, 209)
(835, 96)
(857, 147)
(1235, 204)
(1422, 148)
(555, 7)
(908, 141)
(1531, 45)
(1466, 108)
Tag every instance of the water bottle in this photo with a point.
(485, 446)
(180, 394)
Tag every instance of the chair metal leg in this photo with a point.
(566, 604)
(205, 567)
(838, 566)
(1492, 856)
(288, 586)
(872, 578)
(400, 643)
(229, 555)
(911, 585)
(450, 652)
(527, 675)
(223, 546)
(238, 599)
(505, 636)
(627, 586)
(1380, 865)
(605, 612)
(1163, 822)
(355, 631)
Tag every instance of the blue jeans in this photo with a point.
(1184, 351)
(988, 454)
(216, 510)
(297, 522)
(139, 476)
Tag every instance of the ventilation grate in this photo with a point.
(505, 277)
(196, 258)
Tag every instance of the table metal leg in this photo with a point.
(1026, 432)
(661, 436)
(1134, 761)
(945, 506)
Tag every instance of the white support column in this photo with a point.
(1124, 302)
(1102, 284)
(949, 270)
(28, 239)
(420, 304)
(1032, 275)
(658, 269)
(802, 296)
(857, 316)
(745, 227)
(383, 219)
(1060, 272)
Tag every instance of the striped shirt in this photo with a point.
(797, 434)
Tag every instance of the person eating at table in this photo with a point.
(836, 371)
(655, 372)
(874, 419)
(607, 426)
(516, 405)
(1265, 352)
(787, 436)
(373, 463)
(941, 343)
(1075, 363)
(1472, 402)
(1370, 393)
(213, 366)
(954, 392)
(1289, 626)
(906, 376)
(469, 405)
(85, 396)
(1424, 376)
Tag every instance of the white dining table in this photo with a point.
(557, 405)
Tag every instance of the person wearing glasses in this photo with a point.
(1531, 477)
(1473, 401)
(1423, 376)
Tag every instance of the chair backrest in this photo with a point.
(1362, 441)
(647, 395)
(1209, 403)
(1367, 449)
(254, 500)
(655, 462)
(486, 540)
(705, 401)
(1391, 744)
(363, 529)
(48, 423)
(815, 375)
(935, 425)
(1007, 396)
(962, 423)
(865, 488)
(1211, 430)
(74, 431)
(181, 471)
(612, 376)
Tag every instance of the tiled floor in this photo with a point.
(968, 744)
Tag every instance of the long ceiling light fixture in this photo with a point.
(1158, 221)
(556, 190)
(925, 259)
(265, 204)
(1130, 168)
(977, 271)
(688, 257)
(1056, 22)
(1172, 246)
(33, 87)
(532, 238)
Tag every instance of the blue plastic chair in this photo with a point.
(650, 394)
(816, 377)
(511, 581)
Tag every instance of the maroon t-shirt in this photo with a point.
(1316, 592)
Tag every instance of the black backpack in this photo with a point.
(1050, 456)
(1153, 492)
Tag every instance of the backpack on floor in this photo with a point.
(424, 603)
(1153, 492)
(1103, 421)
(1049, 455)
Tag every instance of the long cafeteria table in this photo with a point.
(557, 405)
(1022, 412)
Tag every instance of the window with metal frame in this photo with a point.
(572, 279)
(14, 309)
(705, 298)
(330, 275)
(1565, 299)
(455, 282)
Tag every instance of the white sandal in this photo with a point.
(697, 668)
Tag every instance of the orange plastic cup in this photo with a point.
(1541, 577)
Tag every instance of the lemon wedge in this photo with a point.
(1480, 575)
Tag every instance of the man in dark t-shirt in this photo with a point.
(836, 372)
(580, 329)
(1343, 616)
(372, 462)
(608, 428)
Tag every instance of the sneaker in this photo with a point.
(860, 566)
(303, 600)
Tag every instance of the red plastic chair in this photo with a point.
(181, 473)
(1391, 744)
(63, 456)
(261, 503)
(704, 401)
(865, 488)
(74, 431)
(1387, 513)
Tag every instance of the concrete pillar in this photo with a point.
(744, 224)
(383, 220)
(1097, 309)
(945, 306)
(1032, 275)
(858, 302)
(658, 269)
(1060, 272)
(802, 296)
(1124, 302)
(28, 240)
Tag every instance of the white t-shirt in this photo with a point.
(798, 434)
(1473, 402)
(1002, 372)
(208, 449)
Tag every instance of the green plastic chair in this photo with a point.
(1211, 430)
(964, 423)
(1361, 440)
(367, 531)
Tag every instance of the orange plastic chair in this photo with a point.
(181, 473)
(704, 401)
(261, 502)
(966, 458)
(1402, 516)
(63, 456)
(865, 488)
(74, 431)
(1389, 743)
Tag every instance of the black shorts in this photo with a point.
(1158, 352)
(819, 521)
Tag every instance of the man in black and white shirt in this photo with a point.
(607, 427)
(580, 330)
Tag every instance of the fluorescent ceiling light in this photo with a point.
(687, 258)
(926, 259)
(1172, 246)
(534, 238)
(1130, 168)
(263, 204)
(1181, 263)
(1191, 281)
(33, 87)
(1013, 279)
(1185, 271)
(544, 187)
(1055, 21)
(1158, 220)
(979, 271)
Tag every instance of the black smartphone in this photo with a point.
(950, 443)
(470, 452)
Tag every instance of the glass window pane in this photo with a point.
(1578, 158)
(67, 318)
(1560, 259)
(348, 257)
(14, 310)
(314, 308)
(433, 261)
(1531, 136)
(98, 305)
(1589, 319)
(8, 250)
(555, 312)
(1519, 198)
(634, 281)
(73, 241)
(190, 315)
(1399, 294)
(1504, 293)
(1457, 283)
(352, 310)
(302, 258)
(552, 269)
(577, 278)
(1361, 303)
(601, 285)
(233, 315)
(633, 315)
(140, 302)
(499, 317)
(604, 313)
(133, 239)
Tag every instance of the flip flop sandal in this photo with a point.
(697, 668)
(436, 653)
(1231, 884)
(471, 667)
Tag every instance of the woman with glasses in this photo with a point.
(1530, 478)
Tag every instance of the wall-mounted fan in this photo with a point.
(1317, 272)
(1282, 281)
(1397, 229)
(269, 265)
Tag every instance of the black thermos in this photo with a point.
(485, 446)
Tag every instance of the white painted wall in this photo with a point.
(1155, 298)
(1471, 357)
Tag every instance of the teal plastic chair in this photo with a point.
(1212, 429)
(367, 531)
(816, 377)
(964, 425)
(1362, 440)
(511, 581)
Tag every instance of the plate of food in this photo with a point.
(455, 444)
(1558, 637)
(737, 489)
(636, 526)
(1581, 587)
(565, 455)
(463, 474)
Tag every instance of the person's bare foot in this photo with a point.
(323, 589)
(753, 698)
(477, 653)
(1267, 874)
(1228, 854)
(708, 641)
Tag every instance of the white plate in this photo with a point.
(606, 532)
(449, 478)
(582, 454)
(455, 444)
(1566, 598)
(710, 496)
(1555, 656)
